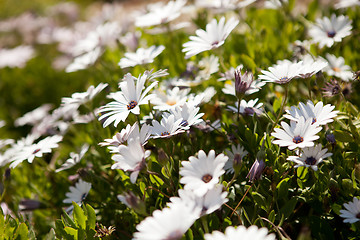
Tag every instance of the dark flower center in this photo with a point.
(313, 121)
(331, 34)
(131, 105)
(83, 196)
(357, 215)
(215, 43)
(175, 235)
(184, 123)
(36, 151)
(310, 161)
(166, 133)
(206, 178)
(298, 139)
(249, 111)
(335, 90)
(284, 79)
(237, 159)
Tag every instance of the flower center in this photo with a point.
(206, 178)
(175, 235)
(336, 69)
(83, 196)
(331, 34)
(313, 121)
(171, 102)
(184, 123)
(310, 161)
(357, 215)
(284, 79)
(36, 151)
(131, 105)
(298, 139)
(215, 43)
(237, 159)
(249, 111)
(166, 133)
(335, 90)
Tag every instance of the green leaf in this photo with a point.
(72, 233)
(343, 136)
(68, 221)
(50, 235)
(271, 216)
(22, 232)
(283, 188)
(289, 207)
(79, 216)
(276, 105)
(91, 217)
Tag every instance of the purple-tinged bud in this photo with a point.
(242, 82)
(132, 201)
(29, 205)
(256, 170)
(331, 138)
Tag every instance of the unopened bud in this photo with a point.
(132, 201)
(256, 170)
(163, 159)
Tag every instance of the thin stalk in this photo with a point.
(205, 224)
(242, 199)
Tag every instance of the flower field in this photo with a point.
(180, 119)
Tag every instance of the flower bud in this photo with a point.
(256, 170)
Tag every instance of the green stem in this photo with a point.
(205, 224)
(281, 108)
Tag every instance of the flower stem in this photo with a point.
(242, 199)
(281, 108)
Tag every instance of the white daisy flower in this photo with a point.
(347, 3)
(241, 233)
(30, 151)
(230, 74)
(255, 86)
(141, 56)
(223, 5)
(127, 133)
(129, 98)
(275, 4)
(35, 116)
(337, 68)
(247, 108)
(236, 155)
(78, 99)
(74, 158)
(16, 57)
(131, 158)
(319, 114)
(310, 157)
(311, 66)
(328, 31)
(214, 36)
(188, 113)
(168, 223)
(282, 73)
(171, 99)
(208, 66)
(208, 203)
(352, 212)
(168, 127)
(161, 14)
(77, 194)
(83, 61)
(299, 134)
(202, 173)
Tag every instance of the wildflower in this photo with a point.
(131, 158)
(223, 5)
(347, 3)
(173, 97)
(352, 212)
(83, 61)
(247, 108)
(131, 201)
(282, 73)
(161, 14)
(74, 158)
(236, 155)
(256, 170)
(141, 56)
(319, 114)
(310, 157)
(208, 66)
(299, 134)
(337, 68)
(128, 99)
(29, 204)
(311, 66)
(275, 4)
(168, 223)
(16, 57)
(128, 133)
(35, 116)
(31, 150)
(168, 127)
(77, 194)
(331, 88)
(241, 233)
(214, 36)
(331, 138)
(328, 31)
(188, 113)
(243, 82)
(78, 99)
(208, 203)
(202, 174)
